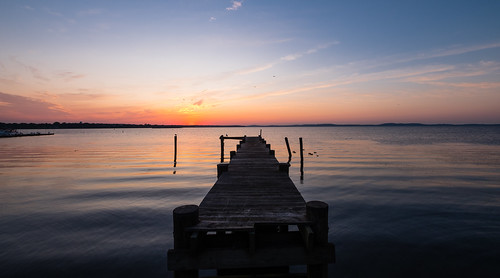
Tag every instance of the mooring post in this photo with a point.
(221, 168)
(301, 159)
(175, 150)
(284, 167)
(289, 151)
(184, 217)
(317, 213)
(221, 148)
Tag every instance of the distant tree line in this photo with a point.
(57, 125)
(63, 125)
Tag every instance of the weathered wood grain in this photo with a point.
(250, 192)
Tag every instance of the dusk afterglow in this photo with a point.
(250, 62)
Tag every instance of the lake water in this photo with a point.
(404, 201)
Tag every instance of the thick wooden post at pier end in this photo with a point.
(184, 217)
(253, 221)
(317, 213)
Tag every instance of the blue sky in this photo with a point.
(250, 62)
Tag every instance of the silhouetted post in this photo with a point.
(221, 148)
(284, 167)
(289, 151)
(260, 133)
(175, 150)
(221, 168)
(317, 213)
(184, 217)
(301, 159)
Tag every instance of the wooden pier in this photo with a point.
(252, 222)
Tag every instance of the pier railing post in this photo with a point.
(184, 217)
(317, 213)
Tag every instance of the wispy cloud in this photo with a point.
(18, 108)
(255, 69)
(295, 56)
(351, 79)
(286, 58)
(469, 85)
(52, 12)
(235, 6)
(82, 96)
(457, 50)
(90, 12)
(413, 57)
(450, 77)
(69, 76)
(61, 16)
(212, 19)
(34, 71)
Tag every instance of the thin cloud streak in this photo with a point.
(34, 71)
(403, 75)
(69, 76)
(412, 57)
(287, 58)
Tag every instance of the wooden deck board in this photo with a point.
(251, 192)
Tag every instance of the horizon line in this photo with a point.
(146, 125)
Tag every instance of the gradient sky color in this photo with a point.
(250, 62)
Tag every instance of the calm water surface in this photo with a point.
(404, 201)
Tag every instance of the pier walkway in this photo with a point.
(252, 221)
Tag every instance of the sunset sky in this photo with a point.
(250, 62)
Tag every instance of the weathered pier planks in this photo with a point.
(252, 219)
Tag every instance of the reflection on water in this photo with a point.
(404, 201)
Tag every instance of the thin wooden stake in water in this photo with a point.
(221, 148)
(289, 152)
(175, 150)
(301, 159)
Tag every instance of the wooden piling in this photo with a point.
(221, 148)
(301, 159)
(317, 213)
(284, 167)
(289, 151)
(184, 217)
(221, 168)
(175, 150)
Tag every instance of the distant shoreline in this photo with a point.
(102, 125)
